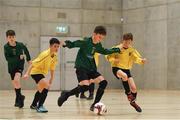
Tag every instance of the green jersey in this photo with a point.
(12, 55)
(85, 57)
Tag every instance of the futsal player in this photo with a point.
(85, 65)
(40, 66)
(15, 54)
(121, 67)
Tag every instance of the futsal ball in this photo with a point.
(100, 108)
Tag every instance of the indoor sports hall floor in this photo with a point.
(156, 104)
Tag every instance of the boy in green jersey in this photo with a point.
(85, 65)
(15, 53)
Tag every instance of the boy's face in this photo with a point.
(127, 43)
(54, 48)
(11, 39)
(98, 37)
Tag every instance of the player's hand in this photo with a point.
(62, 43)
(120, 47)
(29, 62)
(144, 60)
(25, 76)
(50, 81)
(21, 57)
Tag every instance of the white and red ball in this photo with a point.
(100, 108)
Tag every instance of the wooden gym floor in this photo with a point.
(156, 104)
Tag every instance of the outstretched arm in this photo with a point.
(106, 51)
(137, 58)
(70, 44)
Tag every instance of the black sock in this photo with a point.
(100, 91)
(126, 87)
(78, 89)
(91, 89)
(82, 93)
(43, 96)
(18, 93)
(134, 94)
(36, 98)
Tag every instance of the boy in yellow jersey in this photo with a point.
(92, 85)
(121, 65)
(38, 69)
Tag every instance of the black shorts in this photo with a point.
(127, 71)
(37, 77)
(12, 74)
(83, 74)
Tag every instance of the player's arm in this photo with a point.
(137, 58)
(70, 44)
(36, 62)
(52, 76)
(7, 55)
(26, 75)
(28, 57)
(106, 51)
(52, 69)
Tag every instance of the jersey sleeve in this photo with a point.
(77, 43)
(28, 57)
(106, 51)
(137, 57)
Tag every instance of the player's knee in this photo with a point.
(124, 77)
(44, 84)
(84, 83)
(103, 84)
(16, 82)
(17, 76)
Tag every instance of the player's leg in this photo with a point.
(82, 76)
(91, 91)
(82, 87)
(132, 87)
(82, 95)
(41, 94)
(124, 77)
(100, 91)
(134, 94)
(19, 101)
(43, 86)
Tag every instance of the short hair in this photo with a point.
(128, 36)
(54, 41)
(10, 33)
(100, 30)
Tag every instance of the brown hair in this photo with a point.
(10, 33)
(128, 36)
(100, 30)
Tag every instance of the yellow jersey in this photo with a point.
(126, 58)
(43, 63)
